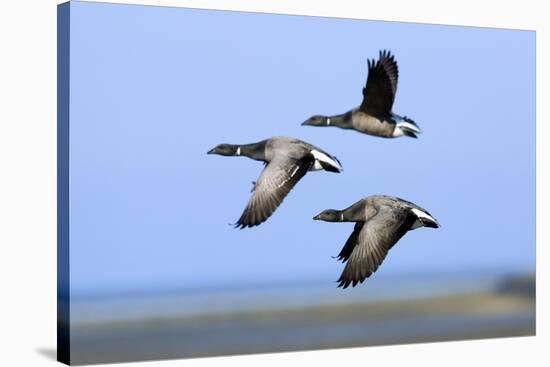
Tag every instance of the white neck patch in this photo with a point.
(341, 216)
(238, 150)
(328, 121)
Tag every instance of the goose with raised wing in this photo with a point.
(286, 160)
(380, 221)
(374, 116)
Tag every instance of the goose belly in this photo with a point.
(371, 125)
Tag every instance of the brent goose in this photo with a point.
(286, 161)
(380, 221)
(374, 116)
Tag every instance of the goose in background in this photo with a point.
(374, 116)
(286, 161)
(380, 221)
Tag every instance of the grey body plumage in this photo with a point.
(380, 221)
(374, 116)
(286, 160)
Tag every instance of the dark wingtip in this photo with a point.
(239, 225)
(342, 283)
(385, 54)
(371, 63)
(242, 225)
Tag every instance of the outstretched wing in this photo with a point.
(351, 242)
(379, 92)
(366, 249)
(275, 182)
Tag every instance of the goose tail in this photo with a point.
(405, 126)
(325, 162)
(424, 219)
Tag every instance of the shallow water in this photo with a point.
(282, 319)
(189, 302)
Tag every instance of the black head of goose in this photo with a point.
(380, 221)
(286, 160)
(374, 116)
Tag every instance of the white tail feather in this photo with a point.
(409, 126)
(405, 123)
(420, 214)
(322, 157)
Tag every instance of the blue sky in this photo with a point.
(154, 88)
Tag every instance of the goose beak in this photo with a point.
(317, 217)
(211, 151)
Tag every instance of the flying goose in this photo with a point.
(380, 221)
(374, 116)
(286, 161)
